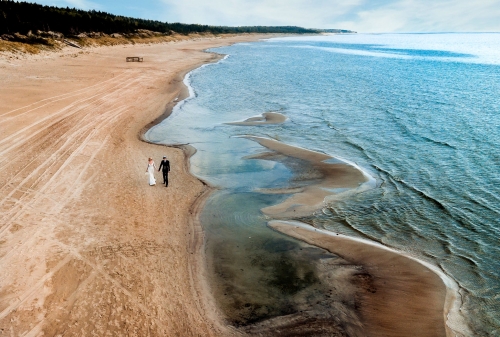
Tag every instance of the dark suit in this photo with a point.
(165, 167)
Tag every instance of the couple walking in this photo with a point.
(164, 166)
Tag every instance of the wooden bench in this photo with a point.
(134, 59)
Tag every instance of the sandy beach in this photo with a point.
(87, 247)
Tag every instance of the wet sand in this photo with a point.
(375, 290)
(401, 296)
(265, 118)
(323, 178)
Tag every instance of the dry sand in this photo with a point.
(87, 247)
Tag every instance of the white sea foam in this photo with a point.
(357, 52)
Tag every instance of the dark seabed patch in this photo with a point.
(264, 280)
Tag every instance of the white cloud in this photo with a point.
(435, 16)
(305, 13)
(359, 15)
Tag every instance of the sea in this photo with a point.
(420, 113)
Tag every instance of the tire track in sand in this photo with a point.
(68, 196)
(45, 148)
(82, 137)
(74, 137)
(79, 104)
(57, 98)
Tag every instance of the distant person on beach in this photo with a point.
(151, 171)
(165, 167)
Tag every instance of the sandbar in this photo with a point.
(324, 178)
(265, 118)
(402, 296)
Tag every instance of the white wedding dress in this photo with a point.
(151, 170)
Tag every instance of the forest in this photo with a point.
(29, 18)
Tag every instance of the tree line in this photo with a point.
(23, 17)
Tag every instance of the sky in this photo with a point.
(363, 16)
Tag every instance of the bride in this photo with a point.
(151, 169)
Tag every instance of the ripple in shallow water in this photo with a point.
(425, 125)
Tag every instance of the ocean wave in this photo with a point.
(456, 214)
(425, 130)
(437, 142)
(355, 145)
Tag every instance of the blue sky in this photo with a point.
(359, 15)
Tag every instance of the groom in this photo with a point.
(165, 167)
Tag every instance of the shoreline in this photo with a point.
(348, 247)
(197, 265)
(86, 244)
(431, 327)
(84, 230)
(183, 93)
